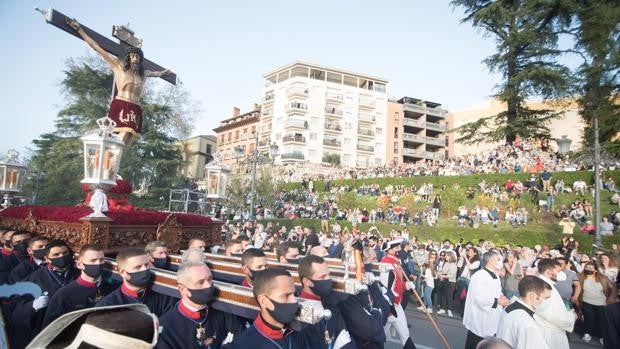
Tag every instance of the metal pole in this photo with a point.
(597, 181)
(254, 159)
(36, 188)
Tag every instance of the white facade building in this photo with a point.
(318, 114)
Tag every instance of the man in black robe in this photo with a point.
(158, 254)
(34, 260)
(15, 248)
(134, 267)
(84, 292)
(192, 323)
(28, 312)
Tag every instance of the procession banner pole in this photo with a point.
(441, 336)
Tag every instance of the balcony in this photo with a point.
(367, 103)
(333, 97)
(413, 122)
(413, 137)
(292, 156)
(420, 109)
(436, 127)
(263, 143)
(295, 123)
(268, 99)
(297, 91)
(267, 114)
(367, 118)
(414, 152)
(365, 133)
(434, 155)
(435, 141)
(437, 112)
(332, 127)
(265, 128)
(296, 107)
(332, 111)
(332, 142)
(366, 148)
(294, 139)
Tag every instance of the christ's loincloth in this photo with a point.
(127, 116)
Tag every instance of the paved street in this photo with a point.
(425, 336)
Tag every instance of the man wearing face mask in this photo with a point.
(158, 254)
(485, 301)
(192, 323)
(555, 319)
(23, 254)
(15, 251)
(234, 248)
(197, 243)
(84, 292)
(36, 254)
(135, 269)
(274, 291)
(517, 325)
(253, 262)
(288, 252)
(28, 314)
(317, 285)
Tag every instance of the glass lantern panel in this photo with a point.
(2, 170)
(110, 162)
(213, 181)
(223, 183)
(12, 178)
(92, 161)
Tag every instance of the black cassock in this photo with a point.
(25, 322)
(23, 270)
(365, 315)
(181, 328)
(334, 325)
(261, 336)
(78, 294)
(158, 303)
(8, 261)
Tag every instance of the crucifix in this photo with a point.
(128, 64)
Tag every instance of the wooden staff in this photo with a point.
(441, 336)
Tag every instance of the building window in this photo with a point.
(229, 136)
(208, 148)
(278, 136)
(348, 125)
(347, 141)
(313, 136)
(379, 131)
(236, 134)
(396, 147)
(396, 132)
(254, 129)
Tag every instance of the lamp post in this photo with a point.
(254, 159)
(217, 181)
(564, 144)
(238, 154)
(597, 183)
(12, 174)
(102, 156)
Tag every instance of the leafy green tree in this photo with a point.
(526, 33)
(598, 39)
(151, 164)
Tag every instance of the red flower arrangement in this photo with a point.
(121, 187)
(72, 214)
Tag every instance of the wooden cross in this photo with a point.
(124, 35)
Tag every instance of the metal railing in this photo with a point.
(366, 118)
(332, 127)
(294, 138)
(363, 132)
(332, 143)
(364, 147)
(333, 111)
(294, 156)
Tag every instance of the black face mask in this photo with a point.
(293, 261)
(21, 249)
(368, 267)
(140, 278)
(588, 272)
(322, 288)
(255, 273)
(161, 263)
(284, 313)
(202, 296)
(39, 254)
(62, 262)
(93, 270)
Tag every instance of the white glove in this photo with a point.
(343, 339)
(40, 302)
(409, 285)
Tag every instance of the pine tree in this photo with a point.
(151, 164)
(526, 33)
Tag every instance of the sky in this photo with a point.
(221, 50)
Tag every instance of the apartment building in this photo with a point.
(569, 124)
(417, 131)
(319, 114)
(237, 131)
(197, 152)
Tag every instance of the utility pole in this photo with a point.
(254, 160)
(597, 184)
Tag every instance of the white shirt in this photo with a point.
(555, 320)
(482, 311)
(519, 329)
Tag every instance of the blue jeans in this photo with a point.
(428, 300)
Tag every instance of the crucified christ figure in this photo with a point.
(129, 78)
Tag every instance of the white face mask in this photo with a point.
(544, 305)
(561, 276)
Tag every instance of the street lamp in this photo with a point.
(102, 156)
(238, 154)
(254, 159)
(12, 174)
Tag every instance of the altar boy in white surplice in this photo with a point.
(555, 319)
(516, 324)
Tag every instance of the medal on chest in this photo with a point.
(201, 336)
